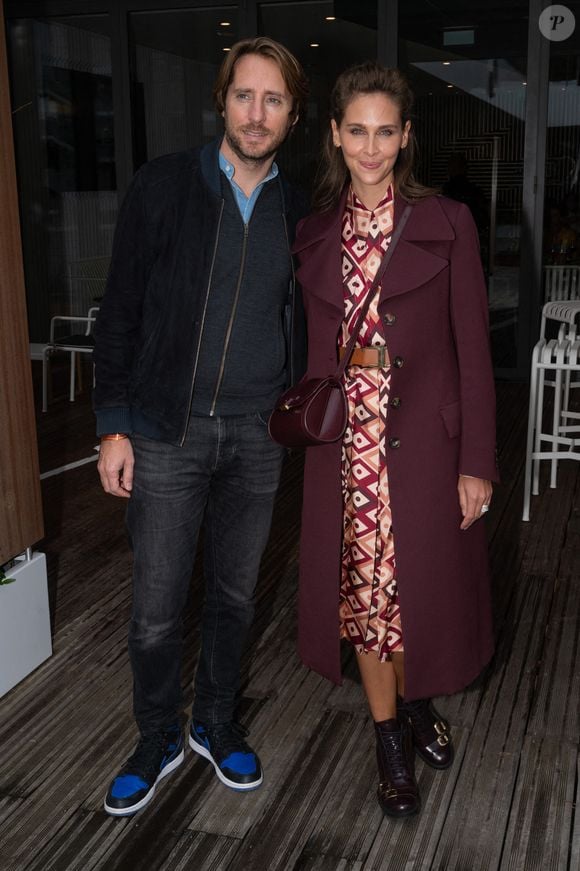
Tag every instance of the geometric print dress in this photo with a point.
(370, 617)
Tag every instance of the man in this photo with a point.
(199, 332)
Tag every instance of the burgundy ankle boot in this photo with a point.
(430, 732)
(398, 793)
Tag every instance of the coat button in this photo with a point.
(390, 319)
(396, 402)
(394, 443)
(398, 362)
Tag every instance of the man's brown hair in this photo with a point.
(290, 68)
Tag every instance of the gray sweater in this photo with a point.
(243, 353)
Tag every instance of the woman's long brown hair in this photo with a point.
(333, 175)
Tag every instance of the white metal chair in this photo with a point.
(82, 342)
(560, 356)
(561, 283)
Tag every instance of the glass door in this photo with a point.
(561, 230)
(62, 109)
(175, 57)
(326, 37)
(467, 64)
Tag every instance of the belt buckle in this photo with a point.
(382, 356)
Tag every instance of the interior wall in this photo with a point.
(21, 523)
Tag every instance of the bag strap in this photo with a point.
(349, 348)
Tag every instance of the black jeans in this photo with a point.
(226, 475)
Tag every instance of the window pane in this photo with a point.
(562, 190)
(326, 38)
(467, 65)
(63, 129)
(175, 59)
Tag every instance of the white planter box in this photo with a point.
(24, 621)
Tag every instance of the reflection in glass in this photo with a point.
(562, 186)
(77, 108)
(326, 38)
(468, 70)
(175, 57)
(63, 129)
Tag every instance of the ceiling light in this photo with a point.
(314, 45)
(225, 23)
(449, 86)
(226, 49)
(330, 18)
(446, 63)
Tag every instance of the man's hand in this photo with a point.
(116, 467)
(473, 494)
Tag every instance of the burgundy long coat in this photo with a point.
(433, 304)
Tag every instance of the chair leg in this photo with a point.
(530, 438)
(537, 440)
(567, 379)
(72, 376)
(45, 379)
(558, 387)
(79, 372)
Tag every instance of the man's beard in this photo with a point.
(249, 156)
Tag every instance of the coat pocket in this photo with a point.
(451, 415)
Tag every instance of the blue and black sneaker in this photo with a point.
(234, 761)
(155, 756)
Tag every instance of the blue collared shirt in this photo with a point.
(245, 204)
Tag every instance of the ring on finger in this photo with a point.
(484, 508)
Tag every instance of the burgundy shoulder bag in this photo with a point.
(315, 410)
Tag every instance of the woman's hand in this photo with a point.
(474, 493)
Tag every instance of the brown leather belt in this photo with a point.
(369, 358)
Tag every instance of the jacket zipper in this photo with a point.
(230, 323)
(196, 361)
(292, 307)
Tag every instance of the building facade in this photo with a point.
(98, 88)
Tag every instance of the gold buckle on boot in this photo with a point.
(442, 736)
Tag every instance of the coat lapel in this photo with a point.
(412, 264)
(318, 247)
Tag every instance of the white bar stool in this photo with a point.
(561, 356)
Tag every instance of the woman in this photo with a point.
(393, 552)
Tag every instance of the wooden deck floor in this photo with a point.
(508, 803)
